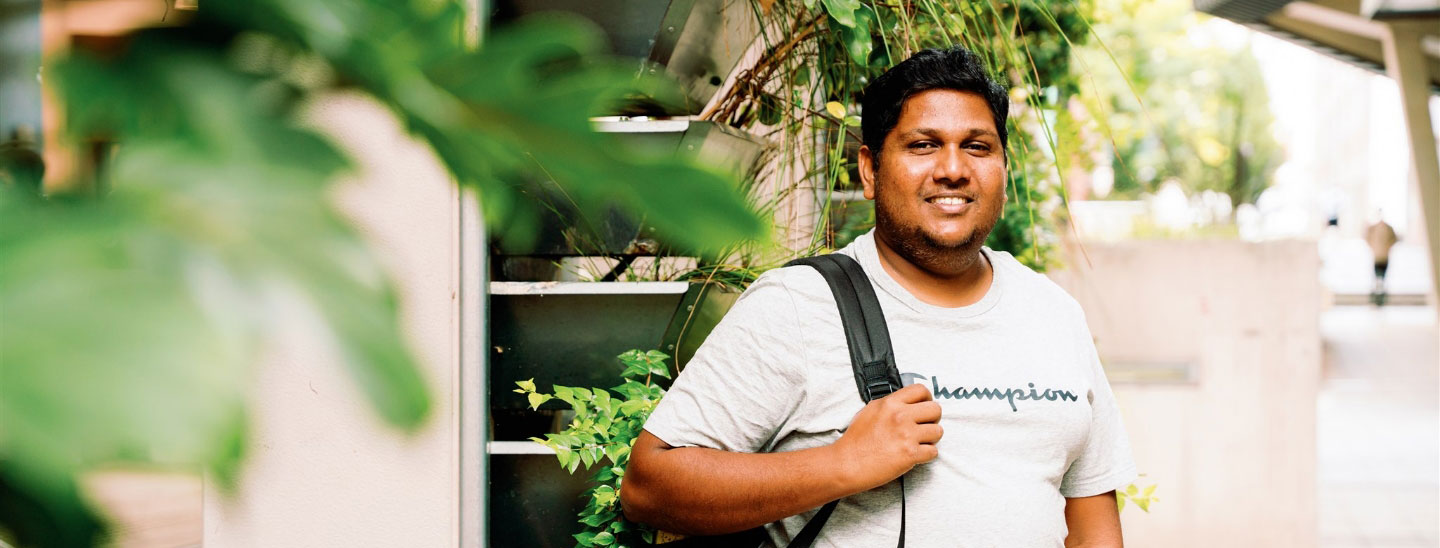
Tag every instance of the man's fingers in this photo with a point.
(929, 433)
(927, 452)
(923, 412)
(912, 394)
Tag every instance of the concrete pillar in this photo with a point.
(1405, 62)
(323, 470)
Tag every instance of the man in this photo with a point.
(1007, 433)
(1381, 237)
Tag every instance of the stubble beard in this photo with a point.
(922, 249)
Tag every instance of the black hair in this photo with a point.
(956, 68)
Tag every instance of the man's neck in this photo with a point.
(964, 285)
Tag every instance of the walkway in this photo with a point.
(1379, 428)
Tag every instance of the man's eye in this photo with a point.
(922, 145)
(977, 147)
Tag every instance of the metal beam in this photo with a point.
(1405, 62)
(1334, 19)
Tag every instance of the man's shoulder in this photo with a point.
(784, 285)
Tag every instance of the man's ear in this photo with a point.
(867, 172)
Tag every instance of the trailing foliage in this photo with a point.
(820, 55)
(604, 429)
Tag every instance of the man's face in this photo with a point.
(939, 180)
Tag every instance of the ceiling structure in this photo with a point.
(1349, 30)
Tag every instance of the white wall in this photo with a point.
(323, 470)
(1233, 449)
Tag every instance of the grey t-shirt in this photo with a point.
(1029, 417)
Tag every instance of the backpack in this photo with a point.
(871, 358)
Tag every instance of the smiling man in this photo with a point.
(1007, 433)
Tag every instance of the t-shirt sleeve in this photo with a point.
(744, 380)
(1105, 463)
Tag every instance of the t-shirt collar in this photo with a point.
(863, 250)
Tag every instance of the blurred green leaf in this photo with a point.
(132, 320)
(842, 11)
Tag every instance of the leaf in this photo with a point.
(857, 39)
(565, 456)
(585, 539)
(601, 398)
(604, 538)
(1150, 490)
(596, 453)
(616, 452)
(1131, 490)
(564, 393)
(527, 385)
(842, 11)
(1144, 504)
(605, 495)
(835, 109)
(630, 407)
(536, 399)
(1120, 502)
(593, 520)
(587, 457)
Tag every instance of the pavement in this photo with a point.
(1378, 428)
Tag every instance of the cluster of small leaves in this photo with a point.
(1133, 494)
(604, 429)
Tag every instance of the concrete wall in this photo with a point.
(323, 469)
(1232, 447)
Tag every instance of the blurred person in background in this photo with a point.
(1381, 237)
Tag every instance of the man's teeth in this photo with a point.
(949, 200)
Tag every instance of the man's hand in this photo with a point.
(693, 490)
(890, 436)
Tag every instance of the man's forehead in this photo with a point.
(946, 99)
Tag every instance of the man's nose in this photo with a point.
(952, 167)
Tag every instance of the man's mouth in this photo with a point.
(949, 200)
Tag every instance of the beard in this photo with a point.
(923, 249)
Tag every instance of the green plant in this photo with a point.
(1135, 495)
(604, 429)
(135, 312)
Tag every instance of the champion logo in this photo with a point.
(1010, 395)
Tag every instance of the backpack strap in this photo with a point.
(871, 356)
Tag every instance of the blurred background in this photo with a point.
(272, 269)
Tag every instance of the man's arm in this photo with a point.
(695, 490)
(1094, 522)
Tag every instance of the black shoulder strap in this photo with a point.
(871, 357)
